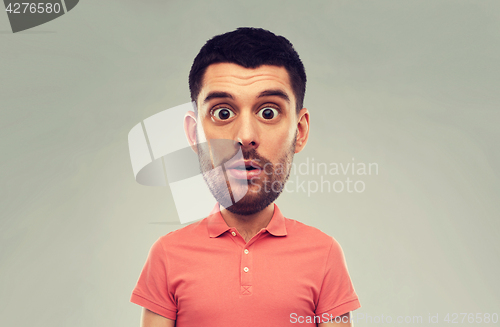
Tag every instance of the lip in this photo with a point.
(237, 169)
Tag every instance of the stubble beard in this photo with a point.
(260, 192)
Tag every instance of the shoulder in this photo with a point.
(319, 244)
(313, 235)
(186, 234)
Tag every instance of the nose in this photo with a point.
(247, 133)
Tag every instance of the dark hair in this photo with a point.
(251, 48)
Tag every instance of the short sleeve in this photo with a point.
(151, 291)
(337, 295)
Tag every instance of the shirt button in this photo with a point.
(245, 269)
(246, 251)
(233, 233)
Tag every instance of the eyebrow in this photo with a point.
(218, 95)
(277, 92)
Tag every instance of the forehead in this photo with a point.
(238, 80)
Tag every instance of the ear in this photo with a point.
(190, 129)
(302, 130)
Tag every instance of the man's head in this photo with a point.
(251, 106)
(250, 48)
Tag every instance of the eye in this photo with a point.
(222, 113)
(268, 113)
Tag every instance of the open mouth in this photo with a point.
(244, 169)
(247, 168)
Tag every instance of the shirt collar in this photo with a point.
(217, 225)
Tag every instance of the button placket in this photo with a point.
(246, 271)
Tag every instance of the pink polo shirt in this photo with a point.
(205, 274)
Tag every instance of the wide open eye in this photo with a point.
(222, 113)
(268, 113)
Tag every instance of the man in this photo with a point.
(245, 264)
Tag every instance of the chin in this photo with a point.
(243, 209)
(252, 203)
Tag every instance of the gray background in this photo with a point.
(410, 85)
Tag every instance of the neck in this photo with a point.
(248, 225)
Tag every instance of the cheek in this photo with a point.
(278, 144)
